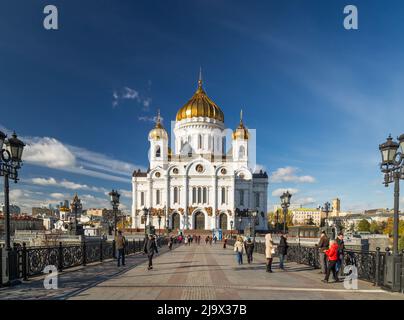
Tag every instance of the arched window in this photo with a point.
(218, 144)
(241, 152)
(200, 141)
(199, 195)
(257, 199)
(241, 194)
(224, 145)
(223, 195)
(175, 194)
(193, 195)
(158, 152)
(209, 142)
(204, 195)
(142, 198)
(157, 197)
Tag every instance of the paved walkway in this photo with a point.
(200, 272)
(206, 272)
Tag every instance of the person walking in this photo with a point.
(269, 251)
(332, 255)
(282, 250)
(224, 243)
(323, 245)
(120, 243)
(249, 249)
(341, 249)
(170, 243)
(150, 248)
(238, 249)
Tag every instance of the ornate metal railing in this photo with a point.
(31, 261)
(369, 264)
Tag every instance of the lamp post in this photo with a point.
(159, 220)
(240, 220)
(10, 163)
(285, 203)
(392, 166)
(76, 206)
(231, 229)
(114, 196)
(326, 209)
(277, 221)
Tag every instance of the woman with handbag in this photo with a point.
(269, 251)
(238, 249)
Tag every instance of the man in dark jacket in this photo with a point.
(323, 244)
(149, 248)
(249, 249)
(341, 249)
(282, 251)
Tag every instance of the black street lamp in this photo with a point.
(10, 163)
(285, 203)
(114, 196)
(240, 220)
(159, 221)
(326, 209)
(231, 229)
(392, 166)
(76, 206)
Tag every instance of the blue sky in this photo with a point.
(318, 95)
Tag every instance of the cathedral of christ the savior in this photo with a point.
(200, 185)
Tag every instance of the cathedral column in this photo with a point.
(150, 200)
(134, 204)
(214, 199)
(168, 194)
(186, 187)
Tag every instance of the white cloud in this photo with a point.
(48, 152)
(150, 119)
(280, 191)
(51, 153)
(58, 195)
(288, 174)
(126, 193)
(304, 201)
(65, 184)
(127, 93)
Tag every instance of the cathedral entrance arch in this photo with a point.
(223, 221)
(175, 220)
(199, 220)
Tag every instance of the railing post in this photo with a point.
(60, 267)
(298, 253)
(101, 252)
(1, 267)
(84, 253)
(377, 267)
(402, 271)
(24, 262)
(113, 249)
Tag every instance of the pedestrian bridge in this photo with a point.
(199, 272)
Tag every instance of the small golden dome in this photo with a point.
(200, 106)
(241, 131)
(158, 132)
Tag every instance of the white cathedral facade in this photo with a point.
(199, 185)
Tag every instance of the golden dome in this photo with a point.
(241, 131)
(158, 132)
(200, 106)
